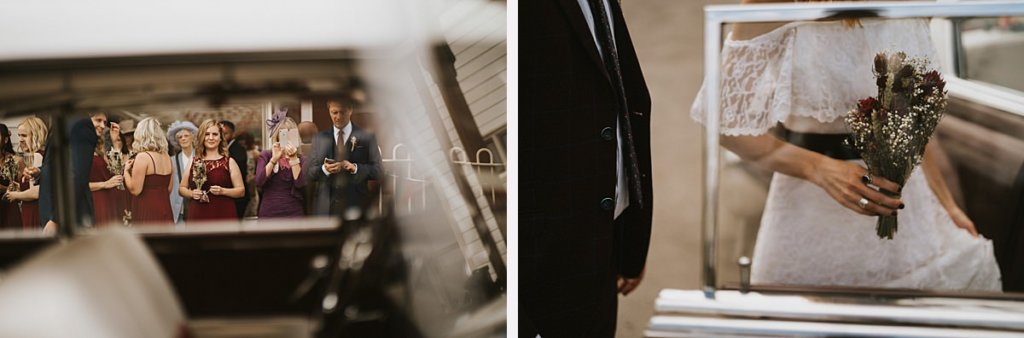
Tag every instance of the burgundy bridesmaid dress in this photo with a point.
(220, 207)
(10, 213)
(153, 205)
(103, 204)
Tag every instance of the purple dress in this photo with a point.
(282, 195)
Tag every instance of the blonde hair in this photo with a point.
(288, 123)
(36, 134)
(149, 136)
(201, 134)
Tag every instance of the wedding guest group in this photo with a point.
(133, 172)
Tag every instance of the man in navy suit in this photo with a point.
(343, 159)
(81, 142)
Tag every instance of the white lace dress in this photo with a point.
(807, 76)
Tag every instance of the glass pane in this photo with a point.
(992, 49)
(799, 133)
(355, 189)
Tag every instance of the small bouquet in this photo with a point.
(9, 172)
(891, 131)
(199, 178)
(115, 164)
(127, 218)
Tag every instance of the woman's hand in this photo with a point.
(197, 194)
(30, 172)
(115, 181)
(275, 152)
(216, 190)
(128, 168)
(962, 221)
(13, 196)
(842, 181)
(290, 152)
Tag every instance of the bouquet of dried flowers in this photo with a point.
(199, 177)
(891, 131)
(115, 164)
(127, 218)
(9, 171)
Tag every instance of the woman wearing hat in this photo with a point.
(180, 135)
(279, 173)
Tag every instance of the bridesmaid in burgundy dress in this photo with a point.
(32, 140)
(10, 213)
(215, 199)
(102, 182)
(148, 175)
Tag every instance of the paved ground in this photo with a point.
(668, 38)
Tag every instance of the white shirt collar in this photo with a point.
(347, 129)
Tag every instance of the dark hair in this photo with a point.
(247, 140)
(5, 133)
(228, 124)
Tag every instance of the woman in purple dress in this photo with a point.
(279, 173)
(214, 198)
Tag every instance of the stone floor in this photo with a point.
(668, 39)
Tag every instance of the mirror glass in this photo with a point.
(841, 170)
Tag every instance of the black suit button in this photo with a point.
(607, 203)
(607, 134)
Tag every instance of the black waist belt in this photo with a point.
(831, 145)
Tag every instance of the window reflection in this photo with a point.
(991, 50)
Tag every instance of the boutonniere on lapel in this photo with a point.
(353, 142)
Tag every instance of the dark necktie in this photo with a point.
(339, 150)
(603, 31)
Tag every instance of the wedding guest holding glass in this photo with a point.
(10, 167)
(214, 181)
(32, 134)
(113, 139)
(148, 175)
(104, 180)
(279, 171)
(181, 135)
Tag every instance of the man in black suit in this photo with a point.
(343, 159)
(237, 152)
(585, 167)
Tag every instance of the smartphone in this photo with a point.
(329, 160)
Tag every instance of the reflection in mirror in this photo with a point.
(251, 172)
(23, 142)
(814, 172)
(990, 50)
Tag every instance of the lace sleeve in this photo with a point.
(756, 83)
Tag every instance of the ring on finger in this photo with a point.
(867, 179)
(863, 203)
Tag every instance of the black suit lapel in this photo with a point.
(574, 14)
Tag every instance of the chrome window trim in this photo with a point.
(717, 15)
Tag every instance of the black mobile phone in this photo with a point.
(329, 160)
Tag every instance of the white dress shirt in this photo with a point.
(347, 133)
(621, 185)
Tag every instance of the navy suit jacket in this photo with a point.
(82, 140)
(337, 191)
